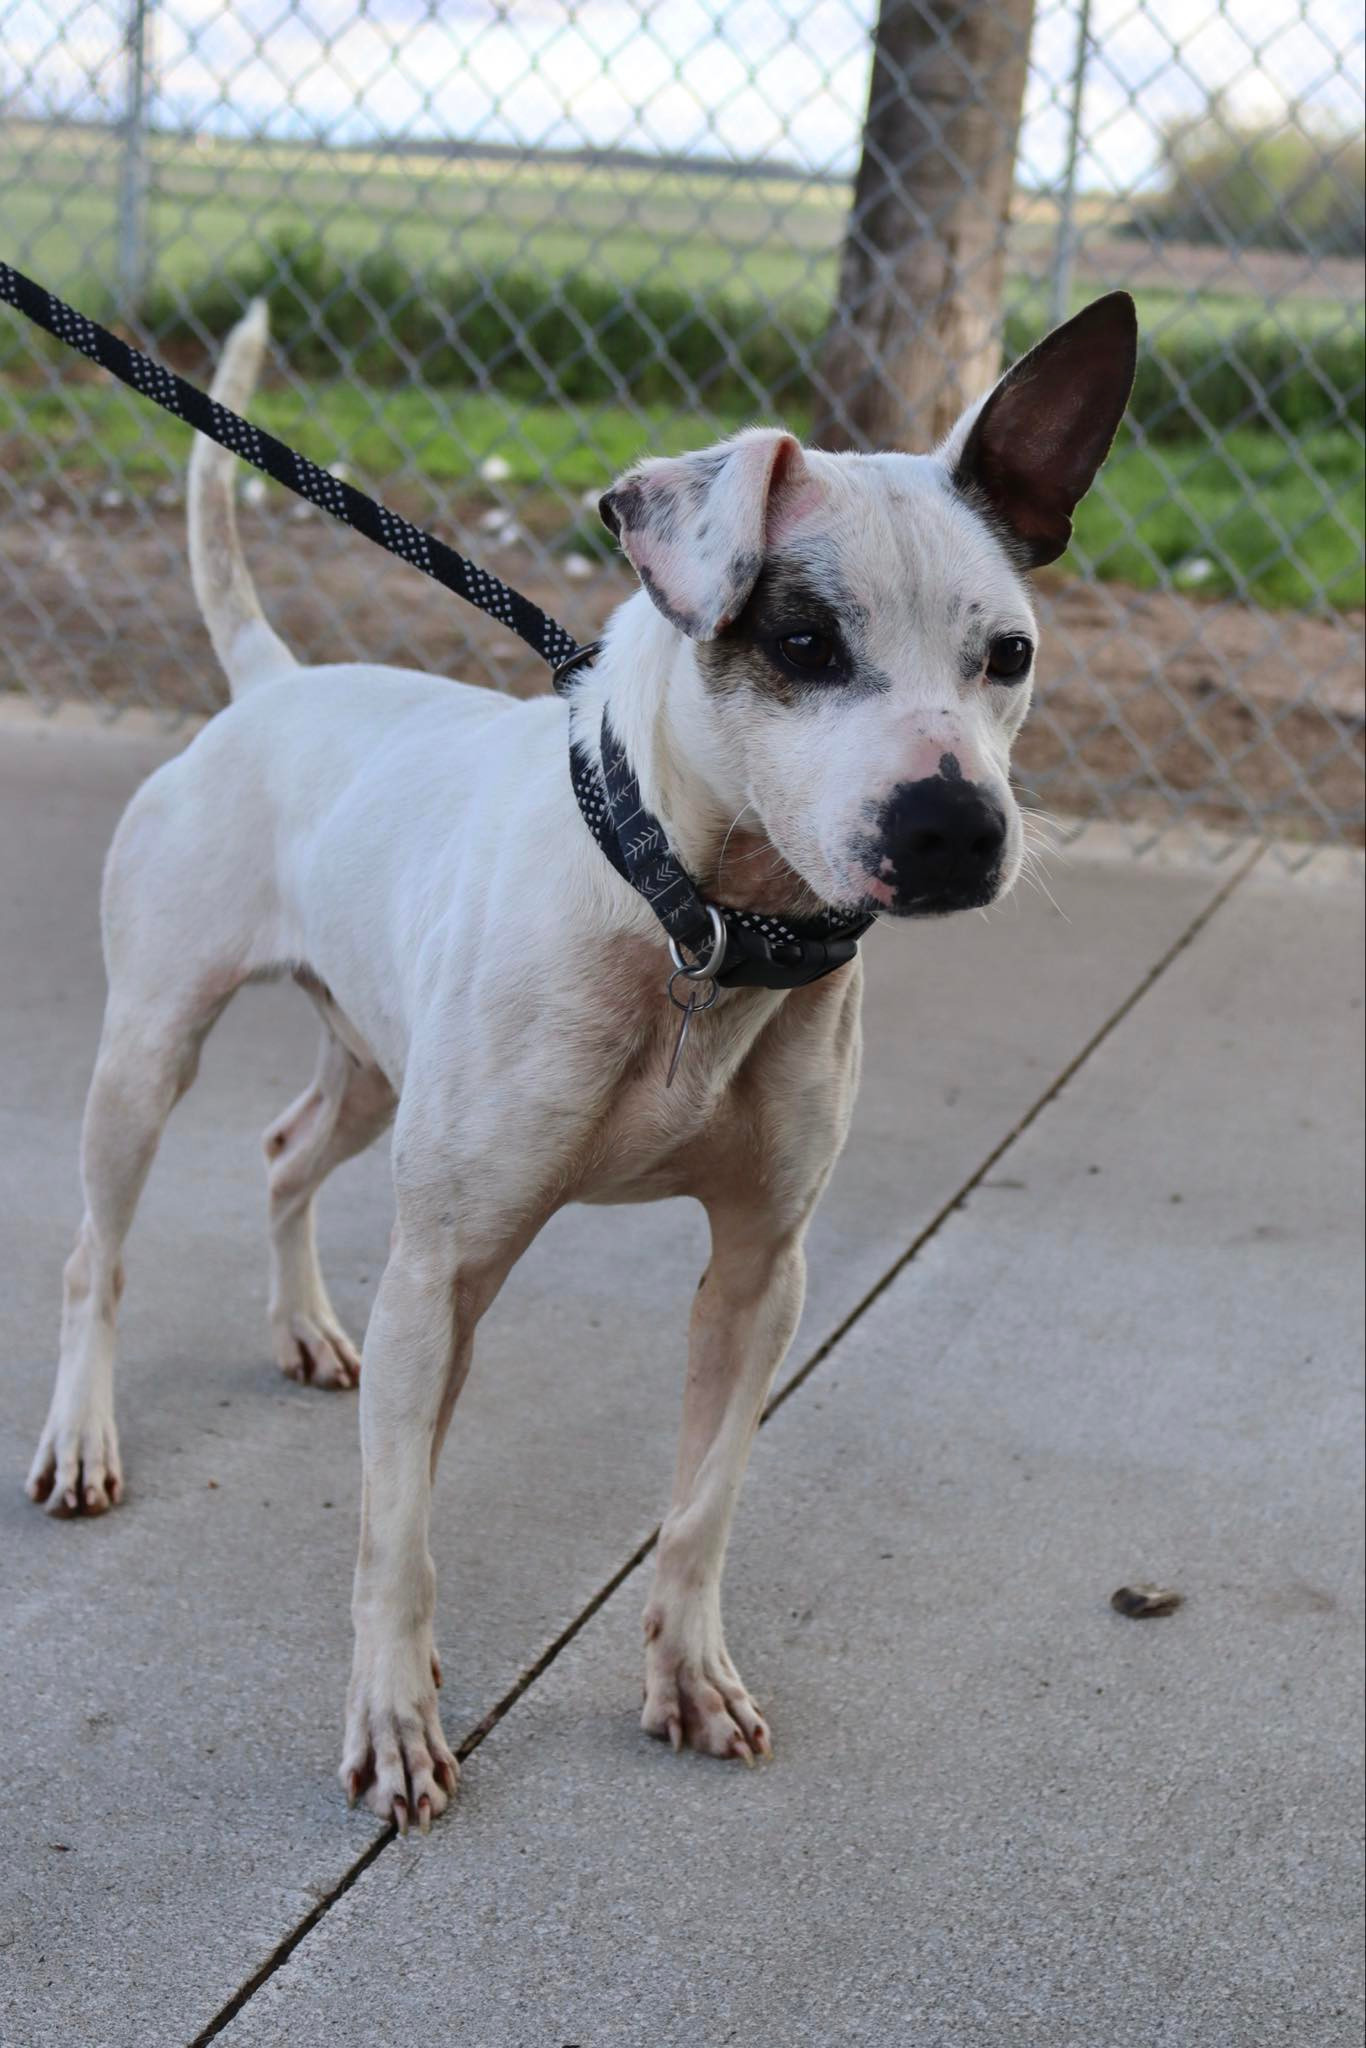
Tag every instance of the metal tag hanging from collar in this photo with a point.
(695, 974)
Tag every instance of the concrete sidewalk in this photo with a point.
(1127, 1143)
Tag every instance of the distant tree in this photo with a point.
(1264, 185)
(915, 330)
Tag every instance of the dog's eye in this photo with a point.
(1008, 657)
(810, 653)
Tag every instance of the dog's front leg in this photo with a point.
(417, 1352)
(743, 1320)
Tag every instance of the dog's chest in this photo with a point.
(654, 1136)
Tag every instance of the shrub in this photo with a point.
(1261, 186)
(519, 331)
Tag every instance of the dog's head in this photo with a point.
(861, 624)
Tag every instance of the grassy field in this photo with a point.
(770, 241)
(1221, 534)
(214, 203)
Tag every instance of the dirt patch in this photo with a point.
(1151, 706)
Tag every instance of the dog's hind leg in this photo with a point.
(346, 1108)
(148, 1056)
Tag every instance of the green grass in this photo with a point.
(213, 205)
(1243, 491)
(1252, 496)
(92, 430)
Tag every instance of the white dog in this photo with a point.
(817, 689)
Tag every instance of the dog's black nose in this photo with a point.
(940, 846)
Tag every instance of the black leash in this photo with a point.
(730, 948)
(389, 530)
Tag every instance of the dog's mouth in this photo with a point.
(910, 901)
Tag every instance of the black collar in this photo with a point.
(762, 950)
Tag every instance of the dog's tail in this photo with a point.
(249, 650)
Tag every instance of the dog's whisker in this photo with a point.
(730, 829)
(1031, 871)
(757, 853)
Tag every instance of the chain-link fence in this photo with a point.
(510, 248)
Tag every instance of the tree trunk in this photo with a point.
(915, 336)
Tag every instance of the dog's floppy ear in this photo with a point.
(696, 527)
(1029, 452)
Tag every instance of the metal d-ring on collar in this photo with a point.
(702, 970)
(695, 972)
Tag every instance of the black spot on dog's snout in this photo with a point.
(950, 768)
(940, 845)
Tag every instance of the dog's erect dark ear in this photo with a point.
(696, 527)
(1030, 452)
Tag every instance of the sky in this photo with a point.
(755, 78)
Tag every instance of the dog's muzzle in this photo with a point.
(939, 847)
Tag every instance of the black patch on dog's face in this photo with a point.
(791, 595)
(973, 651)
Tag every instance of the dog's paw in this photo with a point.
(396, 1757)
(76, 1469)
(315, 1351)
(699, 1700)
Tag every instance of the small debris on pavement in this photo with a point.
(1145, 1603)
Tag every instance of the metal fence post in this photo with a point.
(1065, 246)
(132, 230)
